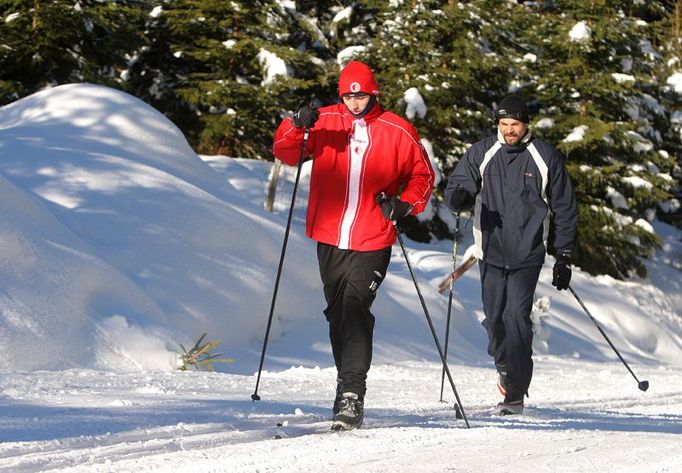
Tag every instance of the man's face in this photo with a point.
(356, 103)
(512, 130)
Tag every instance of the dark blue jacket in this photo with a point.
(516, 188)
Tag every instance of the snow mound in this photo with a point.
(117, 242)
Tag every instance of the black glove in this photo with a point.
(562, 271)
(461, 199)
(306, 116)
(392, 207)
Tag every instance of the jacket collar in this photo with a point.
(520, 146)
(373, 113)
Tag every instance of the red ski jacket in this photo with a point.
(353, 162)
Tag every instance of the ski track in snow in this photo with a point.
(590, 418)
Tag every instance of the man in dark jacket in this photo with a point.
(514, 182)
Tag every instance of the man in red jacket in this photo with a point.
(359, 152)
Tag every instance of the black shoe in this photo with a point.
(350, 413)
(339, 395)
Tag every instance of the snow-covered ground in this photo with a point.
(582, 416)
(118, 243)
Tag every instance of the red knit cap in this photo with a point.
(357, 77)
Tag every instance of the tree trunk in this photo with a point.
(676, 26)
(36, 15)
(273, 178)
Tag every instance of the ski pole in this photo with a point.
(255, 396)
(642, 385)
(447, 322)
(458, 407)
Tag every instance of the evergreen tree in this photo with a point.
(47, 43)
(591, 85)
(218, 69)
(667, 25)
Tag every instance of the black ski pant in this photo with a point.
(351, 279)
(507, 305)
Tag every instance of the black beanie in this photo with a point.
(514, 107)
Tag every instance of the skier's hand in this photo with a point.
(461, 199)
(392, 207)
(562, 271)
(306, 116)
